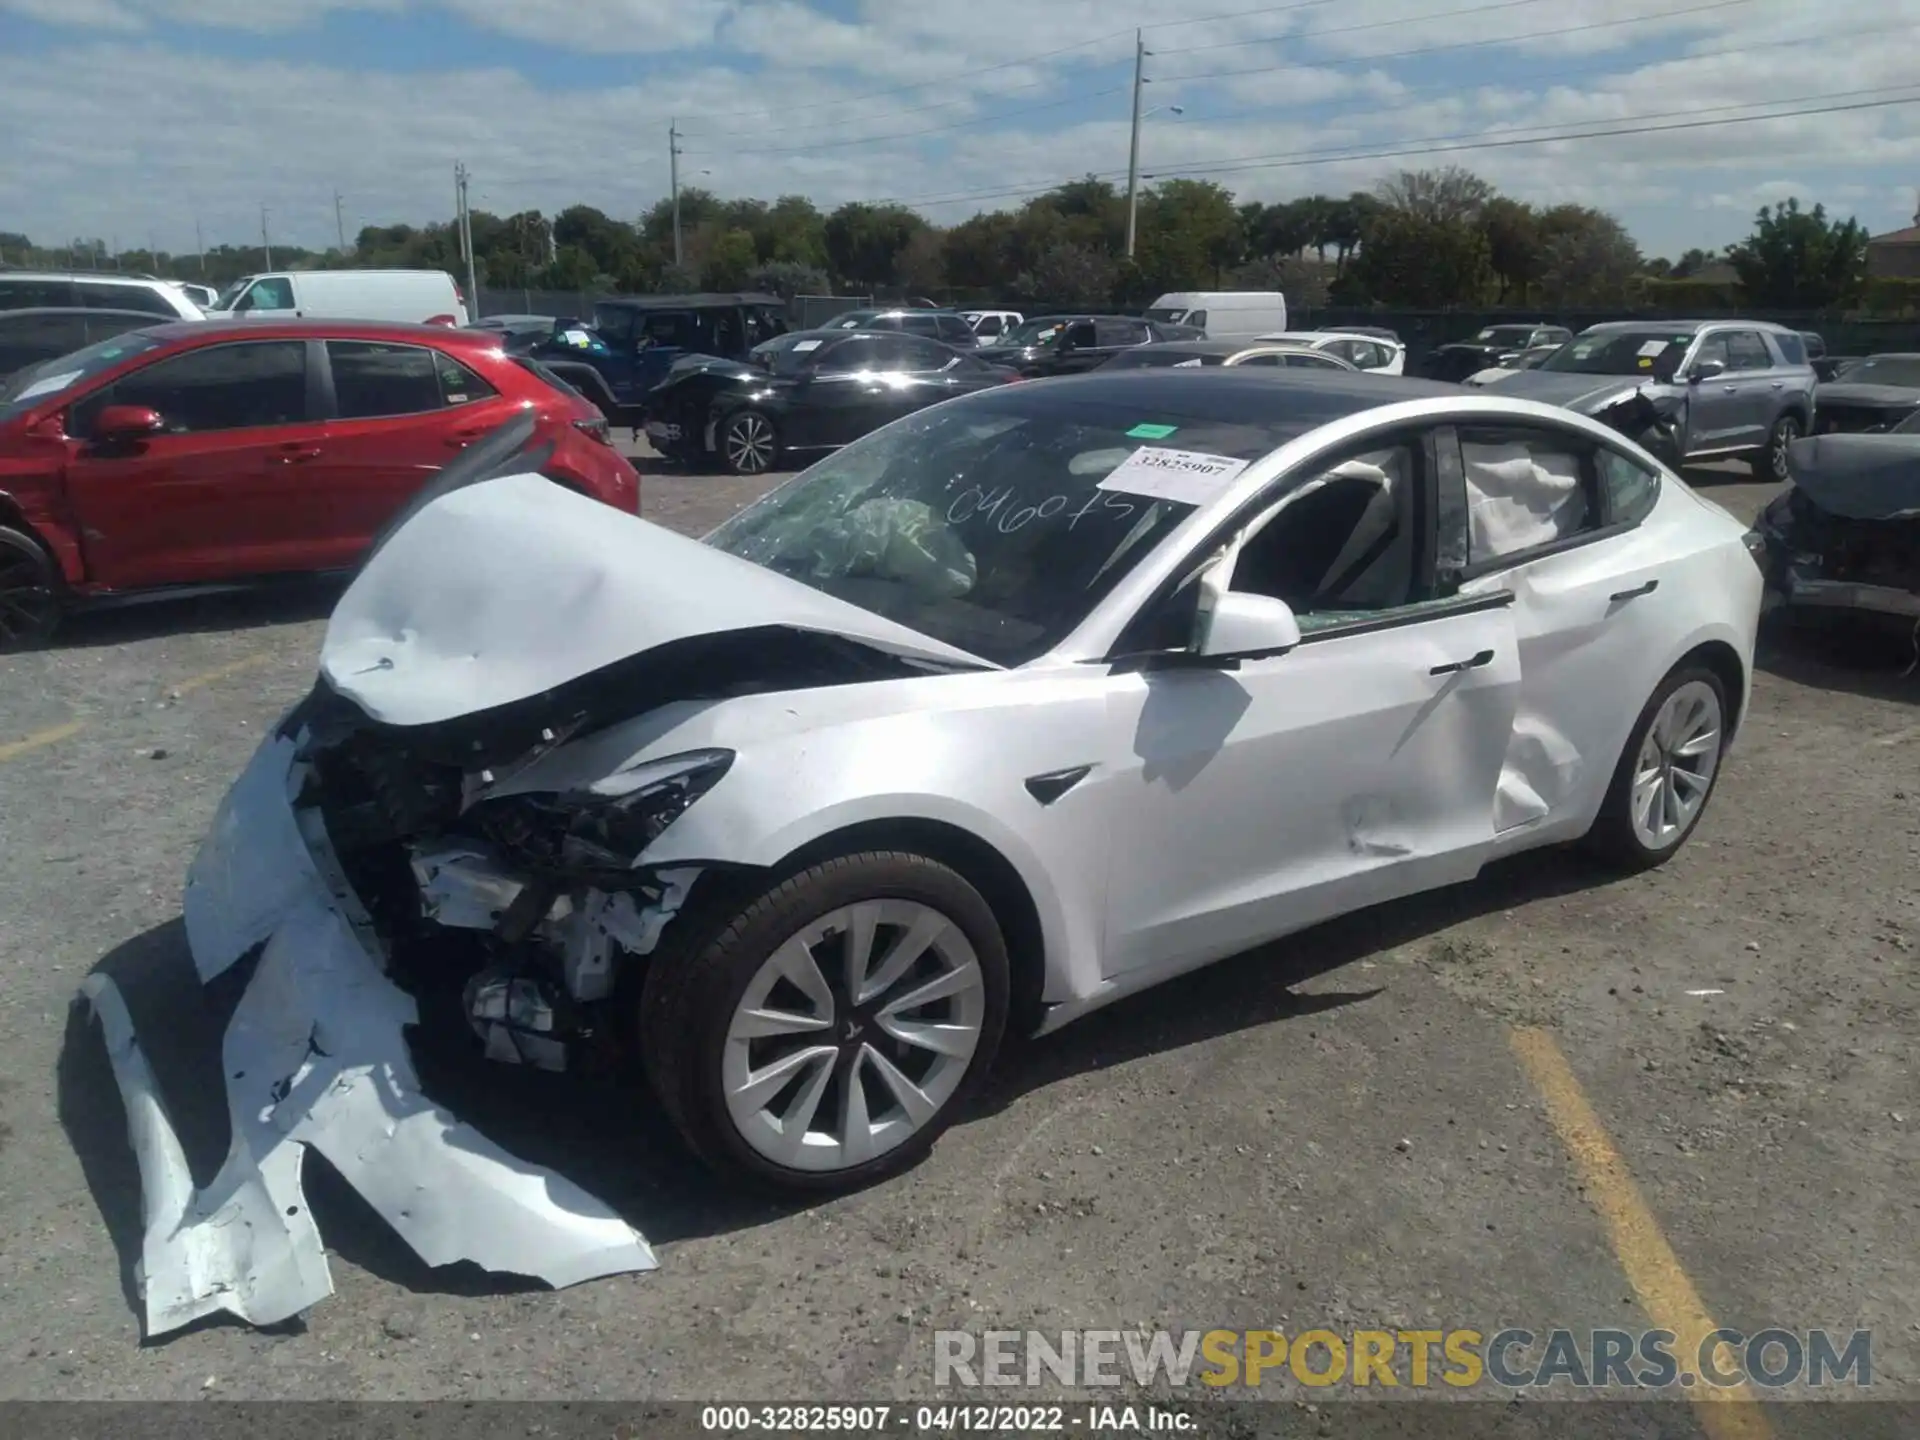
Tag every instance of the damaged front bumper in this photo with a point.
(316, 1055)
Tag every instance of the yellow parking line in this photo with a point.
(219, 672)
(1666, 1294)
(14, 749)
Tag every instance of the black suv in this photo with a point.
(947, 326)
(647, 333)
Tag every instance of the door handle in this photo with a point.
(294, 454)
(1732, 389)
(1635, 593)
(460, 439)
(1485, 657)
(1779, 384)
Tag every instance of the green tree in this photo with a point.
(1799, 259)
(1070, 276)
(1586, 257)
(729, 260)
(865, 242)
(1513, 247)
(980, 251)
(1189, 235)
(1427, 243)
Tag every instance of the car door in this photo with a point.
(1713, 401)
(1079, 349)
(1360, 765)
(1553, 518)
(205, 498)
(398, 413)
(842, 397)
(1759, 379)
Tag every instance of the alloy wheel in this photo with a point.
(749, 444)
(1785, 431)
(29, 602)
(1676, 765)
(853, 1034)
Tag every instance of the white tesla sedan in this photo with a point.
(1019, 705)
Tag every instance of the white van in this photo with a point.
(410, 296)
(1224, 314)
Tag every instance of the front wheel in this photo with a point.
(749, 444)
(1773, 462)
(824, 1033)
(1666, 774)
(31, 593)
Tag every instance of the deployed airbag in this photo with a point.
(1517, 498)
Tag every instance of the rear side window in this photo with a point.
(1793, 349)
(221, 387)
(34, 294)
(616, 324)
(1747, 351)
(675, 329)
(989, 327)
(28, 339)
(98, 295)
(371, 380)
(953, 330)
(1197, 317)
(1524, 489)
(458, 384)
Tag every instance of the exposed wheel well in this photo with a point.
(1720, 657)
(984, 867)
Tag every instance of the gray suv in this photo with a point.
(1721, 389)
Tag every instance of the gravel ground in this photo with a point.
(1332, 1131)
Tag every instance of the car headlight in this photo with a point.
(611, 822)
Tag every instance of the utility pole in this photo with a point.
(460, 178)
(266, 241)
(153, 251)
(339, 222)
(200, 245)
(673, 179)
(1133, 148)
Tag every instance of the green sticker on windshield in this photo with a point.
(1151, 432)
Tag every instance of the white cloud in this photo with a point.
(113, 138)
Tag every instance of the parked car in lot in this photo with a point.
(220, 452)
(1186, 354)
(1846, 533)
(1013, 708)
(202, 295)
(949, 327)
(1223, 314)
(803, 393)
(1529, 359)
(1874, 393)
(647, 334)
(1377, 332)
(1363, 352)
(1494, 347)
(989, 325)
(28, 337)
(411, 297)
(58, 290)
(1720, 388)
(1069, 344)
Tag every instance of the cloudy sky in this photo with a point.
(130, 119)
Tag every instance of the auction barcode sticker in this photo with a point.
(1186, 477)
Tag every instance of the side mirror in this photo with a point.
(1706, 370)
(127, 422)
(1247, 626)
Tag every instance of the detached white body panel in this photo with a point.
(315, 1056)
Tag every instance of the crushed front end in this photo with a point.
(1846, 534)
(364, 865)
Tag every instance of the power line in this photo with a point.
(1710, 5)
(1548, 77)
(1485, 140)
(1303, 35)
(1452, 45)
(913, 134)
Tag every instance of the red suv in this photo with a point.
(226, 451)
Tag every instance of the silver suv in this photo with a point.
(1722, 388)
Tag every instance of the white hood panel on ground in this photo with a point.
(510, 587)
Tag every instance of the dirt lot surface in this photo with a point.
(1360, 1127)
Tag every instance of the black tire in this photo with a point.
(32, 593)
(693, 987)
(1614, 838)
(1771, 463)
(747, 442)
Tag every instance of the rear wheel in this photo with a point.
(31, 593)
(1772, 463)
(822, 1034)
(1666, 775)
(748, 443)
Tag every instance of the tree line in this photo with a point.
(1420, 239)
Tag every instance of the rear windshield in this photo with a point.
(544, 375)
(1901, 370)
(789, 354)
(30, 387)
